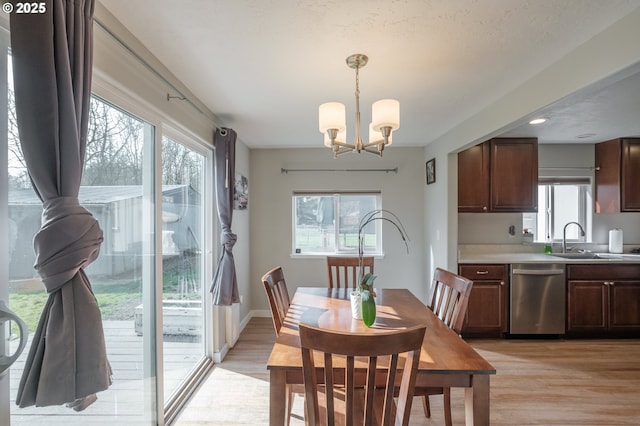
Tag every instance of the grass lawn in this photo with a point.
(117, 301)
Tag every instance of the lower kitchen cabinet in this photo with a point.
(603, 299)
(487, 312)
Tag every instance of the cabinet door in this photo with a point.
(514, 175)
(630, 190)
(607, 182)
(625, 305)
(588, 303)
(487, 310)
(473, 179)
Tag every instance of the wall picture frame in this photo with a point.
(431, 171)
(240, 192)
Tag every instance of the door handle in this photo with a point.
(538, 271)
(7, 314)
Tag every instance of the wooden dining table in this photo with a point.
(446, 360)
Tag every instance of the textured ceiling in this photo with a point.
(264, 66)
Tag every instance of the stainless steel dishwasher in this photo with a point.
(538, 299)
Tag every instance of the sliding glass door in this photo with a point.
(184, 270)
(151, 196)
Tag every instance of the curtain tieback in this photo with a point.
(69, 240)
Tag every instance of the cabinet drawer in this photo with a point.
(484, 272)
(603, 272)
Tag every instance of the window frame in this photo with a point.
(585, 205)
(337, 251)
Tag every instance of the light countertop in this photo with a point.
(511, 254)
(544, 258)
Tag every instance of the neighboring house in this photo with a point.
(119, 210)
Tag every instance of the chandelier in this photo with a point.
(385, 118)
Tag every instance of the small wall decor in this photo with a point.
(241, 192)
(431, 171)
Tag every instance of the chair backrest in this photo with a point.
(339, 351)
(343, 271)
(450, 298)
(276, 288)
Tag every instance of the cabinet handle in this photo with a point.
(484, 208)
(482, 272)
(501, 282)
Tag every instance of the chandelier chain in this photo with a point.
(358, 139)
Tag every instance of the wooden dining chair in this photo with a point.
(279, 301)
(276, 288)
(449, 300)
(343, 271)
(339, 353)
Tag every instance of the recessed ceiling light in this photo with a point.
(585, 136)
(538, 120)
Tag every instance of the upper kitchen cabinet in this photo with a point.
(500, 175)
(617, 176)
(473, 179)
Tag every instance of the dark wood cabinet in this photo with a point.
(473, 179)
(487, 311)
(500, 175)
(603, 299)
(617, 175)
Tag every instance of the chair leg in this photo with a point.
(426, 406)
(447, 406)
(289, 402)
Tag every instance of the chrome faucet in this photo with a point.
(564, 235)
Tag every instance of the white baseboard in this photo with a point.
(219, 356)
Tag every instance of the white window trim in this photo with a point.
(293, 255)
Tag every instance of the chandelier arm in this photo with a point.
(344, 144)
(342, 151)
(372, 151)
(374, 143)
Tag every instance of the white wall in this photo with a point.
(240, 226)
(574, 72)
(127, 80)
(270, 194)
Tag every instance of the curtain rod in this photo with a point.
(148, 66)
(394, 170)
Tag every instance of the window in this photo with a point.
(327, 223)
(560, 201)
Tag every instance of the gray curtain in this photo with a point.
(52, 58)
(225, 284)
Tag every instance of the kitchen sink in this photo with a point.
(587, 255)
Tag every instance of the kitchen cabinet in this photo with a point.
(488, 303)
(617, 175)
(473, 179)
(500, 175)
(603, 299)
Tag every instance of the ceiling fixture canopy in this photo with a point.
(385, 118)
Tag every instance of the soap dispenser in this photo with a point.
(548, 245)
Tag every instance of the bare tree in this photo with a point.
(180, 165)
(18, 176)
(114, 151)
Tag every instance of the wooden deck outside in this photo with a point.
(122, 403)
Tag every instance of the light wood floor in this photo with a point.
(538, 382)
